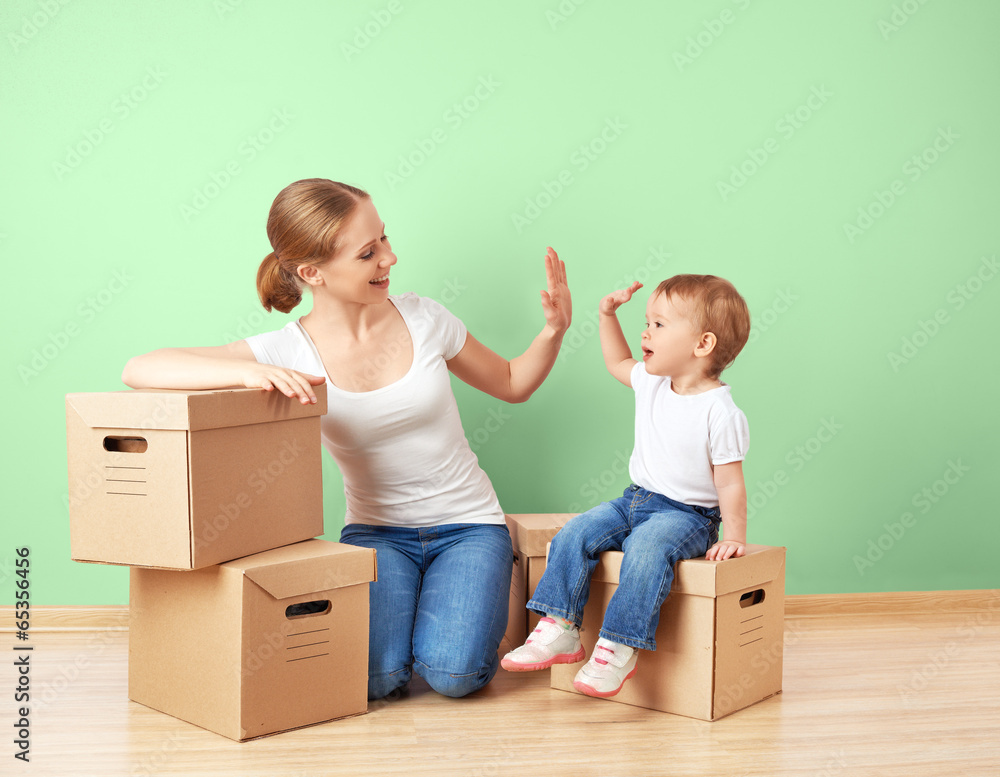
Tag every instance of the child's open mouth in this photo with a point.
(382, 282)
(646, 353)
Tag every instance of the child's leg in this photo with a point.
(563, 590)
(565, 584)
(664, 532)
(671, 532)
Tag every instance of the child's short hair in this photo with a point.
(719, 309)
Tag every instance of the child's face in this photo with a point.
(670, 337)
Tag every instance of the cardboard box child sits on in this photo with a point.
(687, 476)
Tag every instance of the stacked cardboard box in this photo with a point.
(239, 620)
(266, 643)
(187, 479)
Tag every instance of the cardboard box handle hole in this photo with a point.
(125, 444)
(750, 598)
(305, 609)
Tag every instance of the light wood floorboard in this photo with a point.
(906, 694)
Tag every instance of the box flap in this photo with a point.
(142, 409)
(531, 532)
(307, 567)
(701, 577)
(237, 407)
(189, 410)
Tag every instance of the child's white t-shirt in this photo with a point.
(401, 448)
(678, 437)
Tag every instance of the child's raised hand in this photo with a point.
(616, 299)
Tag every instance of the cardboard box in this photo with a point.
(259, 645)
(187, 479)
(719, 642)
(530, 534)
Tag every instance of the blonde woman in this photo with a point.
(414, 489)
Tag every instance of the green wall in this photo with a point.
(837, 161)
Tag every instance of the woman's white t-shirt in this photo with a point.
(679, 437)
(401, 448)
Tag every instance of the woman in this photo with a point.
(415, 491)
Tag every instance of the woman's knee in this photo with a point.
(384, 684)
(457, 684)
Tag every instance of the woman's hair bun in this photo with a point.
(276, 287)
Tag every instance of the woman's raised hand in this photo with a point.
(556, 301)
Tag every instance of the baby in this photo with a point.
(687, 477)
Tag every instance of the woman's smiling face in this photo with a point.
(359, 270)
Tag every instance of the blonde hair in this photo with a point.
(719, 309)
(304, 227)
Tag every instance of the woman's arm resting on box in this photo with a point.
(216, 367)
(733, 506)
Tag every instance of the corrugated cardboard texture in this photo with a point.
(536, 568)
(262, 484)
(184, 628)
(116, 496)
(214, 648)
(719, 641)
(305, 670)
(531, 532)
(186, 499)
(517, 620)
(749, 640)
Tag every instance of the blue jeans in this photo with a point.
(439, 606)
(654, 531)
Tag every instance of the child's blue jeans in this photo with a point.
(654, 531)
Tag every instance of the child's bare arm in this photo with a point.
(617, 355)
(733, 506)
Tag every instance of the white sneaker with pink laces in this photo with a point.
(607, 670)
(550, 643)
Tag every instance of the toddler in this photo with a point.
(687, 476)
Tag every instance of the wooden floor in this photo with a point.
(904, 694)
